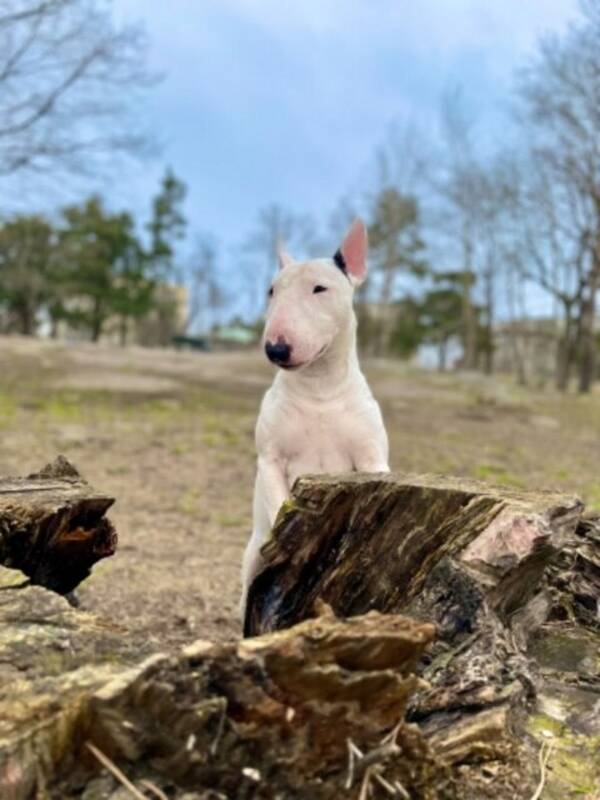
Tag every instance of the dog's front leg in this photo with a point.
(271, 475)
(372, 458)
(270, 491)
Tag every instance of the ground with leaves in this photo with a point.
(171, 436)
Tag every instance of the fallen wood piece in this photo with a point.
(373, 541)
(53, 528)
(510, 578)
(263, 718)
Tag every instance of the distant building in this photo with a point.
(526, 347)
(167, 319)
(233, 337)
(157, 328)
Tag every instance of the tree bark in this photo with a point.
(53, 528)
(587, 335)
(469, 315)
(459, 702)
(269, 718)
(566, 351)
(510, 578)
(380, 537)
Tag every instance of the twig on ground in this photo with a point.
(364, 789)
(545, 751)
(351, 757)
(154, 790)
(215, 744)
(370, 762)
(112, 768)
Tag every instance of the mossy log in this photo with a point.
(53, 526)
(511, 579)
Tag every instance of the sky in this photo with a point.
(263, 101)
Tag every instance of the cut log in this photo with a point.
(384, 542)
(370, 706)
(302, 713)
(511, 580)
(53, 526)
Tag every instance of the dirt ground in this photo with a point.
(170, 435)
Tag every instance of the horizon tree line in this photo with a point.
(464, 233)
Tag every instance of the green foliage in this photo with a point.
(92, 267)
(103, 267)
(442, 312)
(396, 245)
(167, 225)
(394, 236)
(26, 262)
(407, 332)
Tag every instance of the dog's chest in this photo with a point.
(315, 440)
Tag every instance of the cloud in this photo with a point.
(268, 101)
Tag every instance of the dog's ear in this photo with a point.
(351, 257)
(283, 259)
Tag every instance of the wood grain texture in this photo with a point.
(53, 526)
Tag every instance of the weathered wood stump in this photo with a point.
(52, 526)
(270, 717)
(380, 541)
(510, 578)
(496, 672)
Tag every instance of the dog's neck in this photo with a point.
(330, 376)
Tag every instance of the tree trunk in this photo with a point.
(123, 330)
(515, 300)
(468, 312)
(380, 538)
(587, 335)
(566, 351)
(26, 317)
(488, 363)
(442, 355)
(53, 528)
(97, 321)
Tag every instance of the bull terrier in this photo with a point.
(319, 415)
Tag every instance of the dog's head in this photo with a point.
(310, 302)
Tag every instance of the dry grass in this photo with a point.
(171, 436)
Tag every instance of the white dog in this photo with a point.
(319, 416)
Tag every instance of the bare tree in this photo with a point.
(206, 293)
(275, 226)
(397, 251)
(460, 187)
(68, 82)
(560, 94)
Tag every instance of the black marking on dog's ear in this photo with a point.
(340, 262)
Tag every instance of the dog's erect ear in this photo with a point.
(351, 258)
(283, 259)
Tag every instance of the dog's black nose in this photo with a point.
(278, 353)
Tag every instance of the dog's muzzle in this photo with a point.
(278, 353)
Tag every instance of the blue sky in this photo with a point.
(264, 101)
(267, 102)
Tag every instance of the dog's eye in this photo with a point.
(318, 289)
(270, 292)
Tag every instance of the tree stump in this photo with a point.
(495, 674)
(381, 541)
(302, 713)
(52, 526)
(511, 579)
